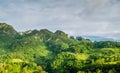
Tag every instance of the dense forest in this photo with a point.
(43, 51)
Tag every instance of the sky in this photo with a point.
(75, 17)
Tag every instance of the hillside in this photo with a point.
(43, 51)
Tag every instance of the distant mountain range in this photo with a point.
(99, 38)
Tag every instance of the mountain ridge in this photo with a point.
(8, 29)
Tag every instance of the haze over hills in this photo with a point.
(99, 38)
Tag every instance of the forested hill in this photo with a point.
(43, 51)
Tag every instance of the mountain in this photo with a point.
(7, 34)
(98, 38)
(7, 29)
(43, 51)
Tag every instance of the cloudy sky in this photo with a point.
(75, 17)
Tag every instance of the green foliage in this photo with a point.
(43, 51)
(107, 44)
(19, 68)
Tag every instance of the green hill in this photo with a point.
(43, 51)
